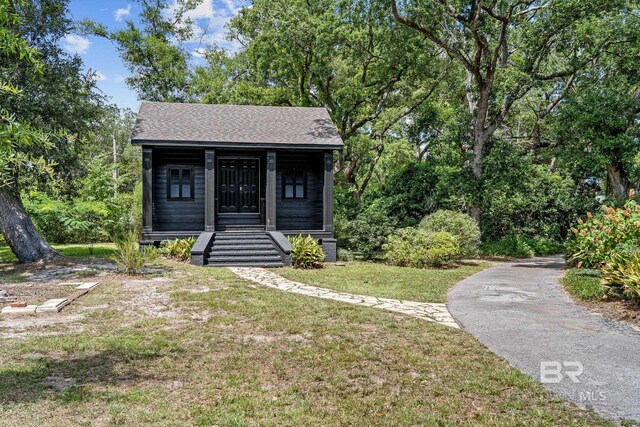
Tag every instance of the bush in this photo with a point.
(522, 247)
(621, 275)
(419, 248)
(366, 234)
(306, 252)
(604, 234)
(179, 249)
(461, 225)
(129, 256)
(345, 255)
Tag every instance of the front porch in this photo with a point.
(227, 193)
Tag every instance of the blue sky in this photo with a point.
(100, 55)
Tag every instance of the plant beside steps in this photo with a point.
(244, 249)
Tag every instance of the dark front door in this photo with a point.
(239, 188)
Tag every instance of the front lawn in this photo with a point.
(366, 278)
(200, 346)
(100, 250)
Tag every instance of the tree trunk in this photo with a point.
(618, 181)
(19, 231)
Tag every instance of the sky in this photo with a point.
(101, 56)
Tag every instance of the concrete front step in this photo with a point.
(246, 264)
(243, 254)
(242, 236)
(244, 249)
(271, 258)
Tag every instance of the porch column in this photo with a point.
(209, 190)
(147, 190)
(327, 192)
(270, 196)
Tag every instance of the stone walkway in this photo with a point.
(431, 312)
(520, 311)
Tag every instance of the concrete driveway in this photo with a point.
(520, 312)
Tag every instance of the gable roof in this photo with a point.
(173, 123)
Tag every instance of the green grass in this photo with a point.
(583, 284)
(366, 278)
(222, 351)
(100, 250)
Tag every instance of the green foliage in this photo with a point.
(584, 284)
(522, 198)
(459, 224)
(601, 235)
(153, 51)
(366, 234)
(411, 193)
(73, 222)
(522, 247)
(306, 252)
(179, 249)
(512, 246)
(621, 275)
(345, 255)
(419, 248)
(130, 257)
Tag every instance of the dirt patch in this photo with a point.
(58, 270)
(150, 297)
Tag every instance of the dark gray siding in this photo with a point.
(177, 215)
(305, 214)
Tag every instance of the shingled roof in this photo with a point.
(234, 125)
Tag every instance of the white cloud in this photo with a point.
(121, 13)
(73, 43)
(97, 75)
(209, 20)
(120, 78)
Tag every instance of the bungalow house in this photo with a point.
(238, 178)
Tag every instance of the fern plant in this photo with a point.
(179, 249)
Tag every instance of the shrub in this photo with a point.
(366, 234)
(461, 225)
(129, 256)
(306, 252)
(419, 248)
(179, 249)
(604, 234)
(522, 247)
(621, 275)
(345, 255)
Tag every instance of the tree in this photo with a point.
(597, 128)
(349, 57)
(506, 48)
(154, 52)
(16, 144)
(47, 102)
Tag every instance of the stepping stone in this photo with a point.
(88, 285)
(53, 305)
(30, 309)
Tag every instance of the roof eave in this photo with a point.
(228, 144)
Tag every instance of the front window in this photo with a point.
(180, 184)
(294, 184)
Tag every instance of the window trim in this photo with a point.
(292, 172)
(180, 168)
